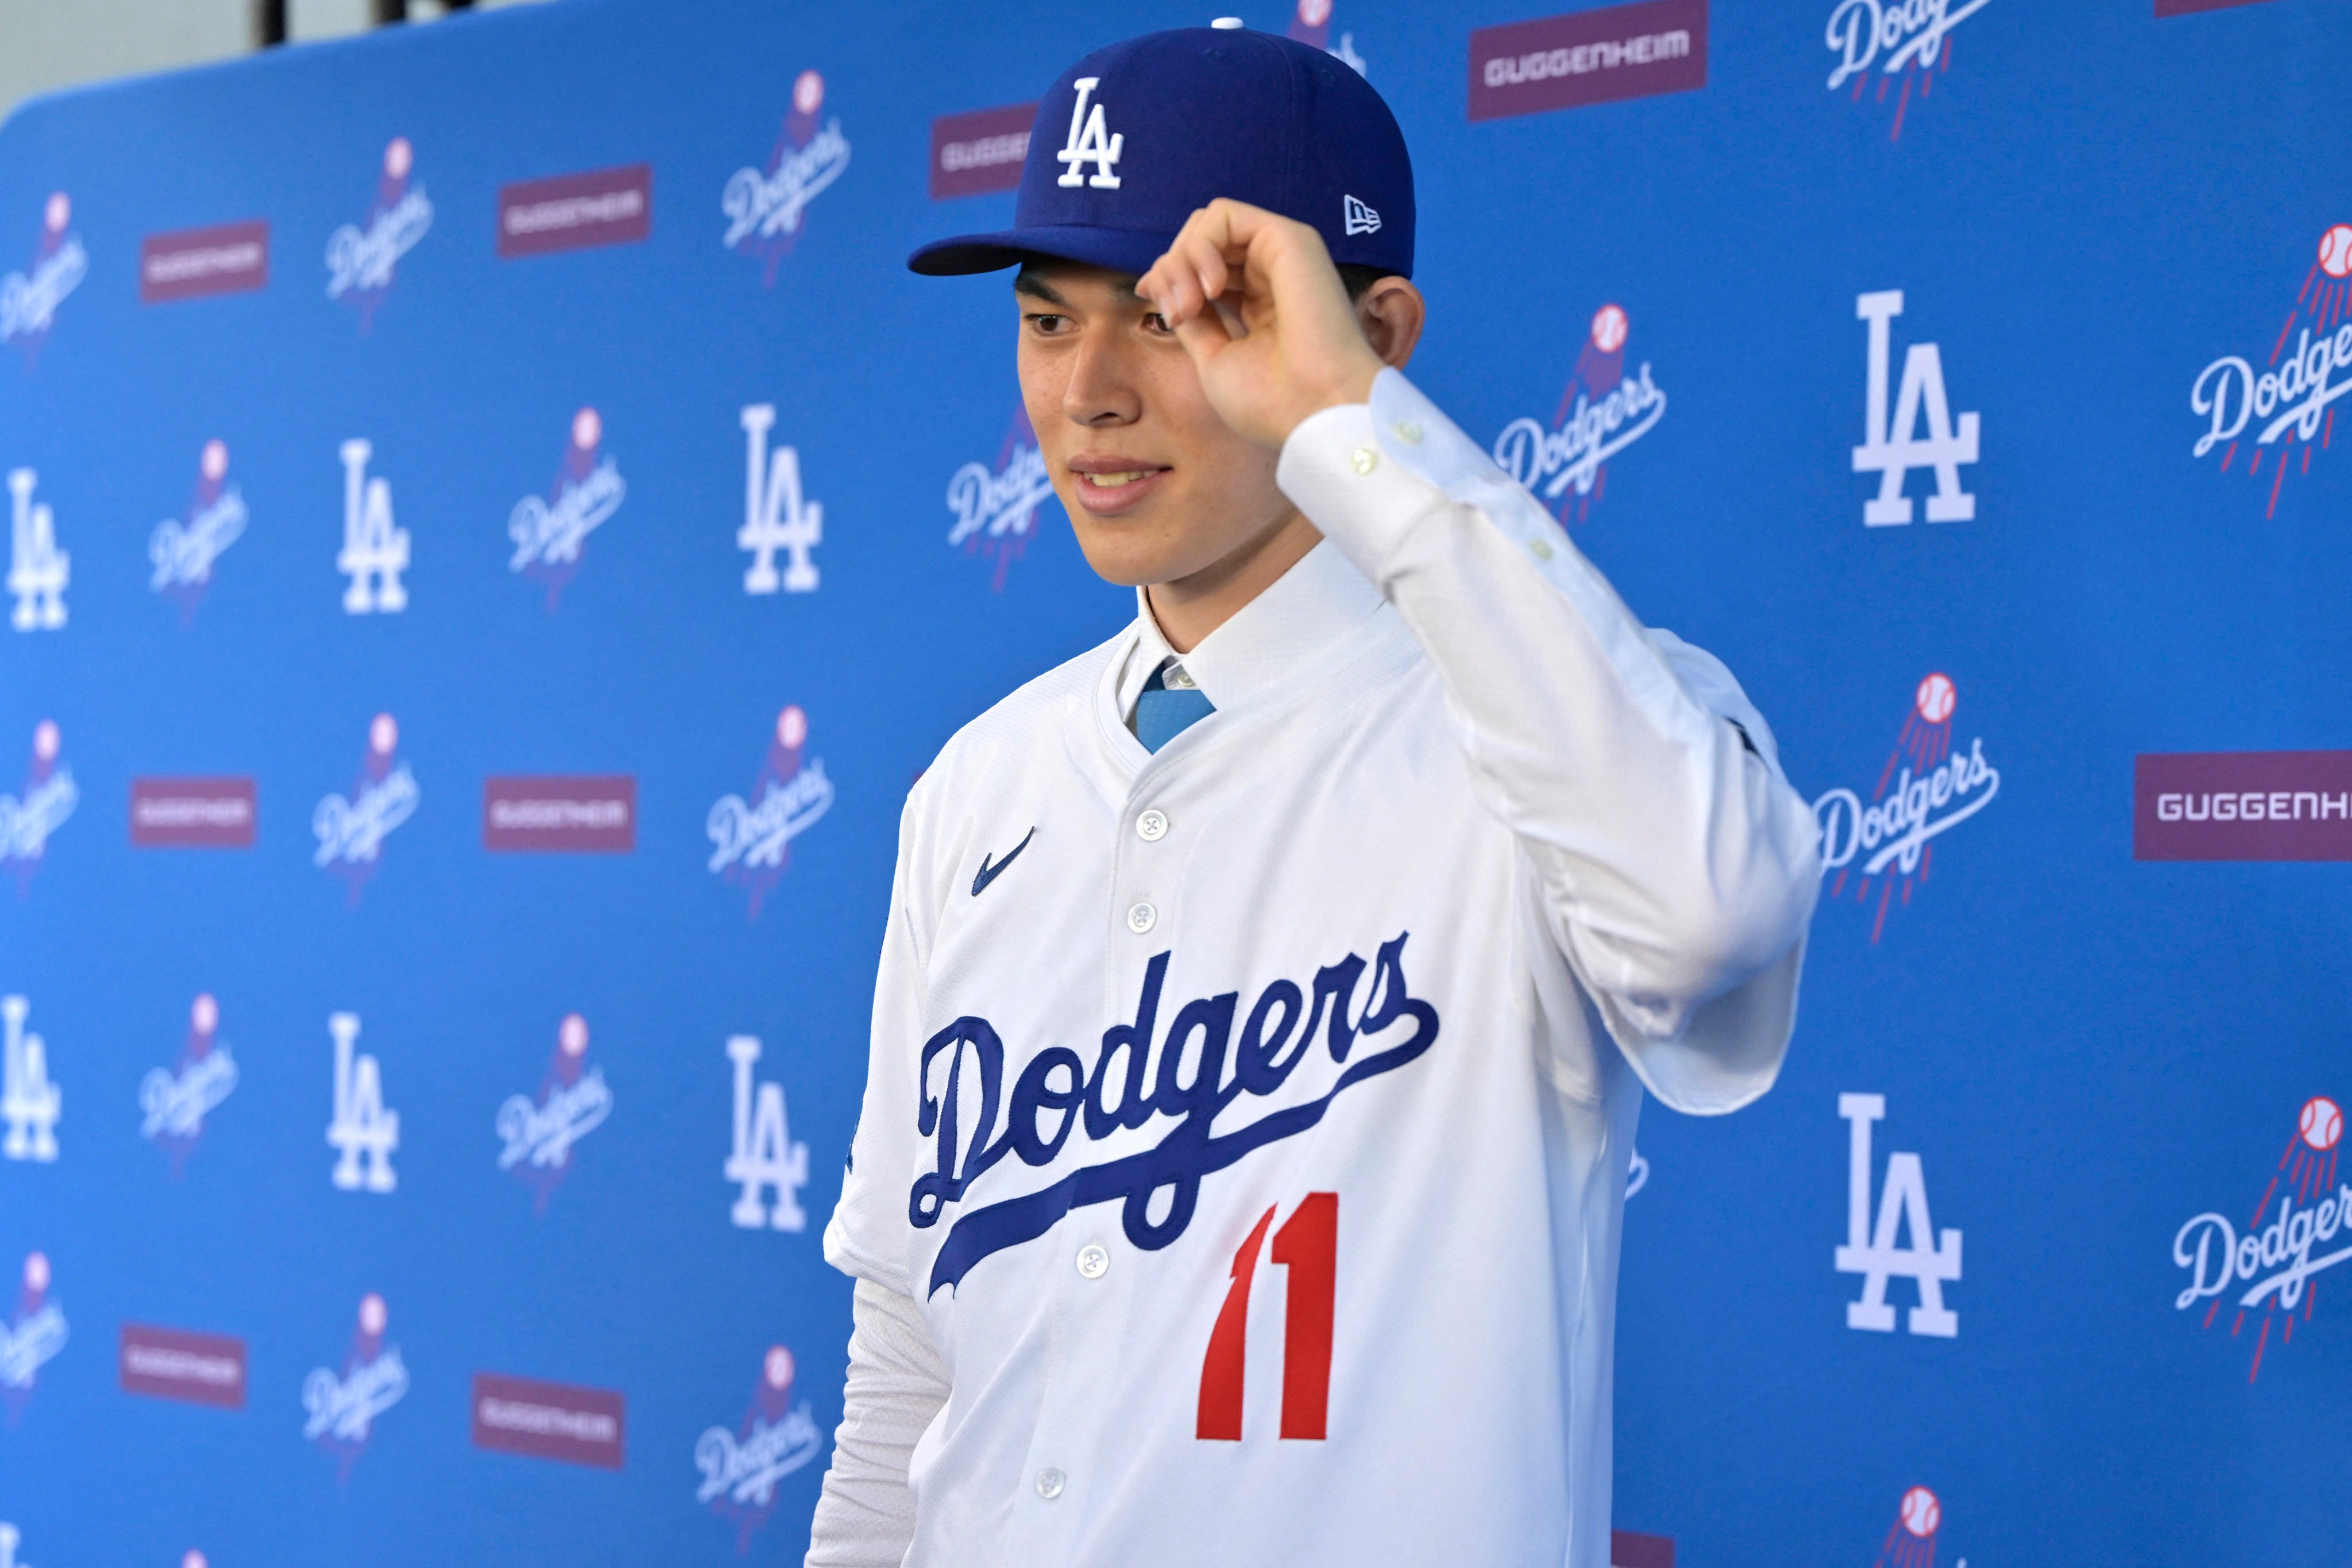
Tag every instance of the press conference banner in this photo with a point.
(495, 532)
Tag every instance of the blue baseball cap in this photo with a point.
(1135, 138)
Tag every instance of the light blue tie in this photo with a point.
(1163, 712)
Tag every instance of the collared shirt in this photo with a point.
(1255, 1140)
(1318, 599)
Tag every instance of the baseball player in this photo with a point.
(1269, 994)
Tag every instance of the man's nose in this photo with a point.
(1101, 389)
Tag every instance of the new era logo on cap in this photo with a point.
(1158, 127)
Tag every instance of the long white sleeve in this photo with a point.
(1676, 866)
(898, 1385)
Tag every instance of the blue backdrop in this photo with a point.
(2087, 1064)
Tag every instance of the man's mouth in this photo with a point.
(1107, 486)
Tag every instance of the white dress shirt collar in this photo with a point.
(1300, 614)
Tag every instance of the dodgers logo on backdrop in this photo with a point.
(341, 1407)
(182, 549)
(996, 508)
(362, 1130)
(750, 841)
(1892, 41)
(764, 1155)
(766, 207)
(2269, 1269)
(375, 549)
(362, 260)
(39, 808)
(1930, 1260)
(1925, 790)
(740, 1467)
(30, 299)
(31, 1102)
(2294, 394)
(776, 515)
(39, 571)
(350, 829)
(1892, 451)
(174, 1101)
(1911, 1540)
(537, 1135)
(961, 1074)
(1310, 23)
(551, 532)
(31, 1339)
(1601, 412)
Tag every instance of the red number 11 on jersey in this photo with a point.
(1307, 1248)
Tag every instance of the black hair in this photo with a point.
(1356, 278)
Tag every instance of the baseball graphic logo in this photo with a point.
(1937, 698)
(57, 213)
(1314, 12)
(192, 1559)
(40, 806)
(549, 530)
(374, 1315)
(2322, 1123)
(46, 741)
(1609, 329)
(539, 1134)
(36, 1273)
(778, 1368)
(399, 157)
(185, 548)
(792, 726)
(1921, 1511)
(30, 299)
(587, 429)
(766, 205)
(2335, 251)
(751, 835)
(213, 462)
(808, 92)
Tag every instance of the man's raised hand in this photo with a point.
(1257, 304)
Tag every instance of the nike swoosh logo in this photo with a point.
(989, 873)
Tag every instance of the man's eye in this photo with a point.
(1045, 321)
(1154, 322)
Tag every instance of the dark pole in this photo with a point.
(268, 22)
(389, 11)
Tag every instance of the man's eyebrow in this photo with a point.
(1036, 286)
(1029, 283)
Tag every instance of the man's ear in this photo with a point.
(1392, 312)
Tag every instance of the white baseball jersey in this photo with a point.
(1252, 1117)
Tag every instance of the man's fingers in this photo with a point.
(1204, 337)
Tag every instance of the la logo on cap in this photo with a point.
(1090, 141)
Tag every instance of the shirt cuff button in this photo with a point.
(1363, 459)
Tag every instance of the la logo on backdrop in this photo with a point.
(1600, 414)
(1311, 24)
(30, 299)
(764, 1154)
(32, 1338)
(31, 1102)
(766, 207)
(182, 549)
(537, 1134)
(1932, 1258)
(996, 508)
(39, 808)
(375, 549)
(362, 259)
(551, 532)
(2274, 1262)
(341, 1407)
(740, 1467)
(1892, 42)
(362, 1130)
(350, 829)
(2294, 394)
(1892, 451)
(174, 1101)
(39, 571)
(750, 841)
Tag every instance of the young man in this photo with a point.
(1269, 994)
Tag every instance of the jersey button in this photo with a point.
(1141, 919)
(1050, 1482)
(1094, 1262)
(1151, 827)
